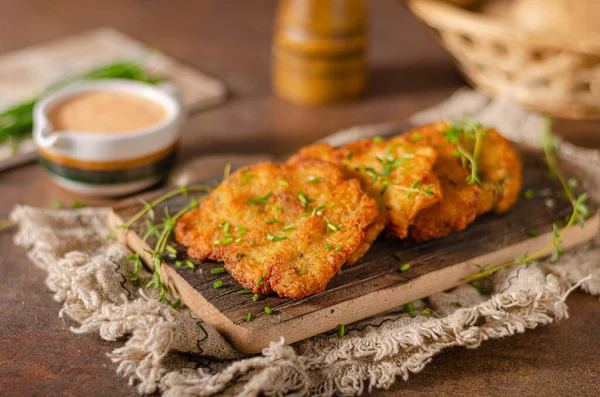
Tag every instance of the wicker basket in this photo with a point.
(556, 77)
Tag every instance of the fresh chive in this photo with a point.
(268, 310)
(178, 263)
(241, 229)
(252, 243)
(272, 221)
(404, 268)
(426, 312)
(302, 272)
(255, 297)
(57, 204)
(314, 179)
(171, 250)
(303, 199)
(341, 330)
(332, 227)
(319, 209)
(456, 153)
(338, 248)
(239, 239)
(271, 237)
(456, 304)
(190, 264)
(532, 233)
(249, 317)
(244, 292)
(383, 189)
(217, 270)
(260, 280)
(378, 139)
(398, 256)
(218, 284)
(529, 194)
(328, 246)
(252, 202)
(284, 183)
(225, 241)
(78, 204)
(350, 155)
(416, 137)
(278, 208)
(50, 292)
(287, 229)
(264, 198)
(176, 303)
(245, 179)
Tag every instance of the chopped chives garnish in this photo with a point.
(268, 310)
(217, 270)
(264, 198)
(425, 312)
(252, 242)
(218, 284)
(244, 292)
(319, 209)
(328, 246)
(287, 229)
(338, 248)
(456, 304)
(190, 264)
(272, 221)
(178, 263)
(225, 241)
(404, 268)
(271, 237)
(255, 297)
(529, 194)
(416, 137)
(241, 229)
(332, 227)
(249, 317)
(349, 157)
(238, 240)
(456, 153)
(314, 179)
(245, 179)
(171, 250)
(383, 189)
(378, 139)
(303, 198)
(176, 303)
(398, 256)
(250, 201)
(532, 233)
(260, 280)
(302, 272)
(341, 330)
(278, 208)
(284, 183)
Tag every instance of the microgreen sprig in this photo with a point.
(580, 212)
(471, 131)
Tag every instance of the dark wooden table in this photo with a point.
(230, 39)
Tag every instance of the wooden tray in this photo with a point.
(372, 285)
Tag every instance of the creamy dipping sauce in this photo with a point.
(106, 112)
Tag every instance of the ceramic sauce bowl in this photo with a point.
(109, 164)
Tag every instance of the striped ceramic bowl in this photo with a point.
(109, 164)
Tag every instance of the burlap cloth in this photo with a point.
(175, 353)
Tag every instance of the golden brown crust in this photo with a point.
(364, 160)
(499, 171)
(309, 256)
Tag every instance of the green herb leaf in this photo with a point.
(218, 284)
(217, 270)
(289, 228)
(268, 310)
(178, 263)
(264, 199)
(532, 233)
(255, 297)
(338, 248)
(328, 246)
(272, 221)
(378, 140)
(456, 304)
(57, 204)
(249, 317)
(171, 250)
(189, 264)
(341, 330)
(244, 292)
(176, 303)
(529, 194)
(78, 204)
(404, 268)
(314, 179)
(284, 183)
(252, 243)
(245, 179)
(416, 137)
(271, 237)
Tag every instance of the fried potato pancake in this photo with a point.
(460, 204)
(397, 173)
(279, 227)
(499, 170)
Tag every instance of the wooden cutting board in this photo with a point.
(374, 284)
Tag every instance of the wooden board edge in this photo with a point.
(348, 312)
(253, 339)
